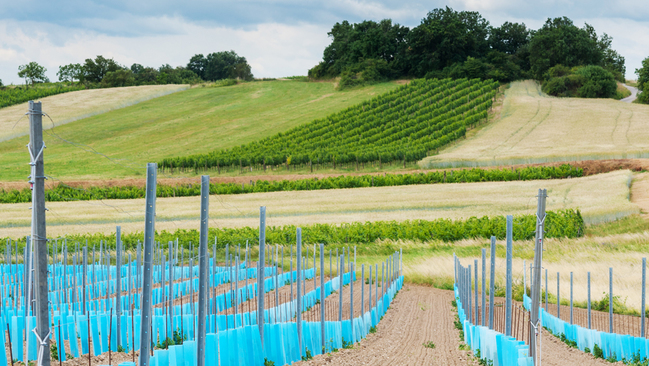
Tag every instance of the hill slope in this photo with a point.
(536, 128)
(402, 125)
(188, 122)
(71, 106)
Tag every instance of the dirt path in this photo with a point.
(633, 96)
(416, 316)
(640, 193)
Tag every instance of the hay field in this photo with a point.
(536, 128)
(601, 198)
(623, 252)
(197, 120)
(68, 107)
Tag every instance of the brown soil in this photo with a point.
(416, 316)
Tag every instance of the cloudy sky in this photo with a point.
(278, 37)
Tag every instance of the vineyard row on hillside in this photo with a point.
(563, 223)
(63, 192)
(12, 96)
(405, 124)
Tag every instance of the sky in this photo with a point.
(277, 37)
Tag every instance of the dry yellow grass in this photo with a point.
(623, 252)
(68, 107)
(536, 128)
(600, 198)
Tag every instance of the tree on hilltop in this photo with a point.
(220, 65)
(32, 72)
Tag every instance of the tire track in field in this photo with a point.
(534, 127)
(619, 112)
(416, 316)
(538, 108)
(628, 127)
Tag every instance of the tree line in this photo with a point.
(462, 44)
(106, 72)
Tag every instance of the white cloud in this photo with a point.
(273, 50)
(266, 33)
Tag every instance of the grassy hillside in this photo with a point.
(600, 198)
(402, 125)
(71, 106)
(188, 122)
(536, 128)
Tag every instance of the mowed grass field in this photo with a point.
(119, 143)
(68, 107)
(600, 198)
(536, 128)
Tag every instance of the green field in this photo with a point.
(405, 124)
(187, 122)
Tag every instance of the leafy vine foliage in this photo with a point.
(405, 124)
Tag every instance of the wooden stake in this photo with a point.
(11, 354)
(110, 333)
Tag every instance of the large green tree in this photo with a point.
(509, 37)
(32, 73)
(220, 65)
(559, 41)
(643, 74)
(70, 72)
(354, 44)
(446, 37)
(95, 70)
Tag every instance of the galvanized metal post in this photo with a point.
(149, 232)
(298, 257)
(610, 299)
(340, 290)
(508, 305)
(589, 318)
(492, 276)
(84, 280)
(118, 284)
(171, 286)
(362, 289)
(558, 296)
(369, 297)
(322, 298)
(351, 300)
(260, 273)
(468, 307)
(203, 288)
(38, 233)
(376, 285)
(536, 275)
(644, 279)
(571, 298)
(484, 283)
(477, 303)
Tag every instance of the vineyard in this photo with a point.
(562, 223)
(62, 192)
(405, 124)
(12, 96)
